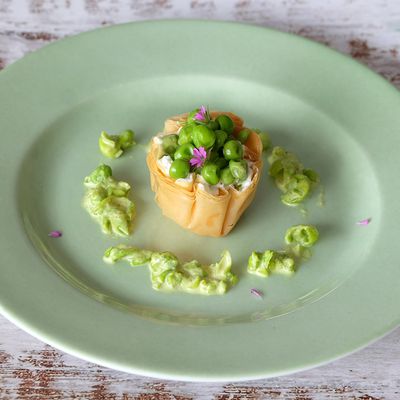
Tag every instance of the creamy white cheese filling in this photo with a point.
(206, 187)
(164, 163)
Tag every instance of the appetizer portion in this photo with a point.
(204, 169)
(168, 274)
(106, 200)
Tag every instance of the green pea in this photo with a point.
(221, 162)
(173, 279)
(213, 125)
(311, 175)
(297, 190)
(220, 138)
(238, 169)
(282, 263)
(233, 150)
(278, 153)
(243, 135)
(185, 134)
(276, 169)
(303, 235)
(283, 171)
(226, 124)
(100, 174)
(184, 152)
(109, 145)
(170, 144)
(126, 139)
(211, 172)
(179, 169)
(226, 176)
(203, 136)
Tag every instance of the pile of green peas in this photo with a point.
(224, 162)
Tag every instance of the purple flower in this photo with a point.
(201, 115)
(55, 234)
(364, 221)
(199, 156)
(256, 293)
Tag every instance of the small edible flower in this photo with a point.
(365, 221)
(257, 293)
(199, 156)
(55, 234)
(201, 115)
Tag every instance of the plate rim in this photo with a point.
(36, 332)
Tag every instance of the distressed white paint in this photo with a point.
(31, 370)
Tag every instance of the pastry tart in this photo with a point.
(204, 170)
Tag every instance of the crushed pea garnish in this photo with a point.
(168, 274)
(295, 181)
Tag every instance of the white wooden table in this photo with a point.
(367, 30)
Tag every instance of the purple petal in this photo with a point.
(202, 152)
(199, 117)
(203, 110)
(55, 234)
(257, 293)
(196, 153)
(195, 161)
(365, 221)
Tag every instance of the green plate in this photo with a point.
(339, 117)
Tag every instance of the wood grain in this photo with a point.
(367, 31)
(31, 370)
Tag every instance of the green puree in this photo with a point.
(271, 261)
(112, 146)
(295, 181)
(168, 274)
(303, 235)
(299, 238)
(106, 200)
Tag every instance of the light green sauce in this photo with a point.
(271, 262)
(168, 274)
(106, 200)
(303, 235)
(295, 181)
(299, 239)
(112, 146)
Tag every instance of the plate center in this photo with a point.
(51, 190)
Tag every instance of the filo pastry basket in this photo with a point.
(192, 207)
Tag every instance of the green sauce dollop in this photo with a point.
(295, 181)
(112, 146)
(106, 200)
(168, 274)
(271, 261)
(299, 238)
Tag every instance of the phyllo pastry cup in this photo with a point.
(188, 203)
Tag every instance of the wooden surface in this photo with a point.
(367, 30)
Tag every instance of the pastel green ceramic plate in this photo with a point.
(339, 117)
